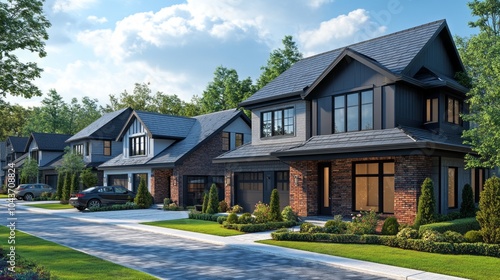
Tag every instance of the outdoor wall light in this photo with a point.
(296, 177)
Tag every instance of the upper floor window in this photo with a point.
(78, 149)
(452, 187)
(353, 111)
(226, 141)
(107, 147)
(87, 148)
(432, 110)
(453, 110)
(138, 145)
(278, 122)
(34, 156)
(238, 140)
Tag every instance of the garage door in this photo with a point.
(118, 180)
(249, 189)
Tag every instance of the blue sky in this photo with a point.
(102, 47)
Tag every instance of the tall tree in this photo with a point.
(480, 57)
(23, 28)
(139, 99)
(279, 61)
(53, 111)
(29, 172)
(14, 118)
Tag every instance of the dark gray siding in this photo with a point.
(388, 110)
(436, 58)
(409, 106)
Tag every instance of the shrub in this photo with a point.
(453, 237)
(337, 225)
(89, 179)
(363, 223)
(74, 184)
(203, 216)
(473, 236)
(259, 227)
(304, 227)
(115, 207)
(172, 207)
(205, 203)
(426, 204)
(262, 213)
(467, 207)
(166, 203)
(66, 189)
(460, 225)
(432, 235)
(143, 198)
(246, 218)
(407, 233)
(488, 215)
(60, 185)
(288, 215)
(223, 207)
(232, 218)
(236, 209)
(391, 226)
(221, 219)
(213, 200)
(274, 205)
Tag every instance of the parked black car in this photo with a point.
(101, 195)
(30, 191)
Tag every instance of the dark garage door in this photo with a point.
(118, 180)
(249, 189)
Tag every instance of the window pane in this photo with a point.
(428, 111)
(339, 101)
(278, 123)
(340, 120)
(367, 116)
(389, 168)
(352, 118)
(289, 121)
(352, 99)
(450, 110)
(367, 97)
(452, 187)
(366, 193)
(456, 112)
(266, 124)
(388, 194)
(435, 109)
(361, 169)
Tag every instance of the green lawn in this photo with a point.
(52, 206)
(3, 195)
(66, 263)
(199, 226)
(472, 267)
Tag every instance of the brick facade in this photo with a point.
(160, 184)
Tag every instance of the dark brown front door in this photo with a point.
(324, 195)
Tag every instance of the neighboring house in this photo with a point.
(3, 160)
(174, 154)
(47, 149)
(359, 128)
(97, 142)
(15, 153)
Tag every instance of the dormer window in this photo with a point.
(453, 110)
(432, 110)
(138, 145)
(278, 122)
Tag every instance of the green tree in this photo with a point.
(60, 185)
(14, 118)
(274, 205)
(488, 215)
(488, 12)
(66, 191)
(205, 203)
(143, 198)
(74, 184)
(140, 99)
(89, 178)
(24, 28)
(467, 207)
(29, 172)
(213, 200)
(71, 162)
(279, 61)
(426, 212)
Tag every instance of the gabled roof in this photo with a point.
(160, 125)
(48, 141)
(196, 131)
(393, 53)
(106, 127)
(18, 143)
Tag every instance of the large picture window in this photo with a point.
(374, 187)
(278, 122)
(353, 111)
(138, 145)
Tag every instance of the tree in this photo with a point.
(205, 203)
(488, 215)
(279, 61)
(74, 184)
(426, 204)
(66, 191)
(467, 207)
(23, 28)
(488, 12)
(139, 99)
(213, 200)
(143, 198)
(89, 178)
(29, 172)
(60, 185)
(71, 163)
(14, 118)
(274, 205)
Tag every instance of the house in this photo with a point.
(97, 142)
(359, 128)
(46, 149)
(14, 153)
(174, 154)
(3, 160)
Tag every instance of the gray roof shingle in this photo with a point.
(48, 141)
(393, 51)
(165, 126)
(18, 143)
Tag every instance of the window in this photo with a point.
(478, 176)
(452, 187)
(283, 181)
(87, 148)
(279, 122)
(432, 110)
(453, 110)
(353, 111)
(138, 145)
(238, 139)
(374, 187)
(225, 141)
(107, 147)
(195, 190)
(78, 149)
(34, 156)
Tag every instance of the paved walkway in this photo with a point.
(117, 236)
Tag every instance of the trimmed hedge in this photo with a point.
(460, 225)
(116, 207)
(258, 227)
(480, 249)
(203, 216)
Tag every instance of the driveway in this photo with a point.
(170, 254)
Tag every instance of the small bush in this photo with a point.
(407, 233)
(203, 216)
(432, 235)
(488, 215)
(473, 236)
(304, 227)
(205, 203)
(426, 212)
(246, 218)
(391, 226)
(223, 207)
(259, 227)
(172, 207)
(363, 223)
(467, 207)
(213, 200)
(115, 207)
(232, 218)
(274, 207)
(221, 219)
(288, 215)
(262, 213)
(143, 198)
(337, 225)
(236, 209)
(453, 237)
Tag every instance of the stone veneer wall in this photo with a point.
(410, 172)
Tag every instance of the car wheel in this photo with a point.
(94, 203)
(28, 197)
(80, 208)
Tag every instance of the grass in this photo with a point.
(199, 226)
(52, 206)
(67, 263)
(472, 267)
(3, 195)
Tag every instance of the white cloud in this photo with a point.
(71, 5)
(340, 31)
(95, 19)
(317, 3)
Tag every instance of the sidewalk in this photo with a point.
(131, 219)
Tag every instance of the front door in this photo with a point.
(324, 195)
